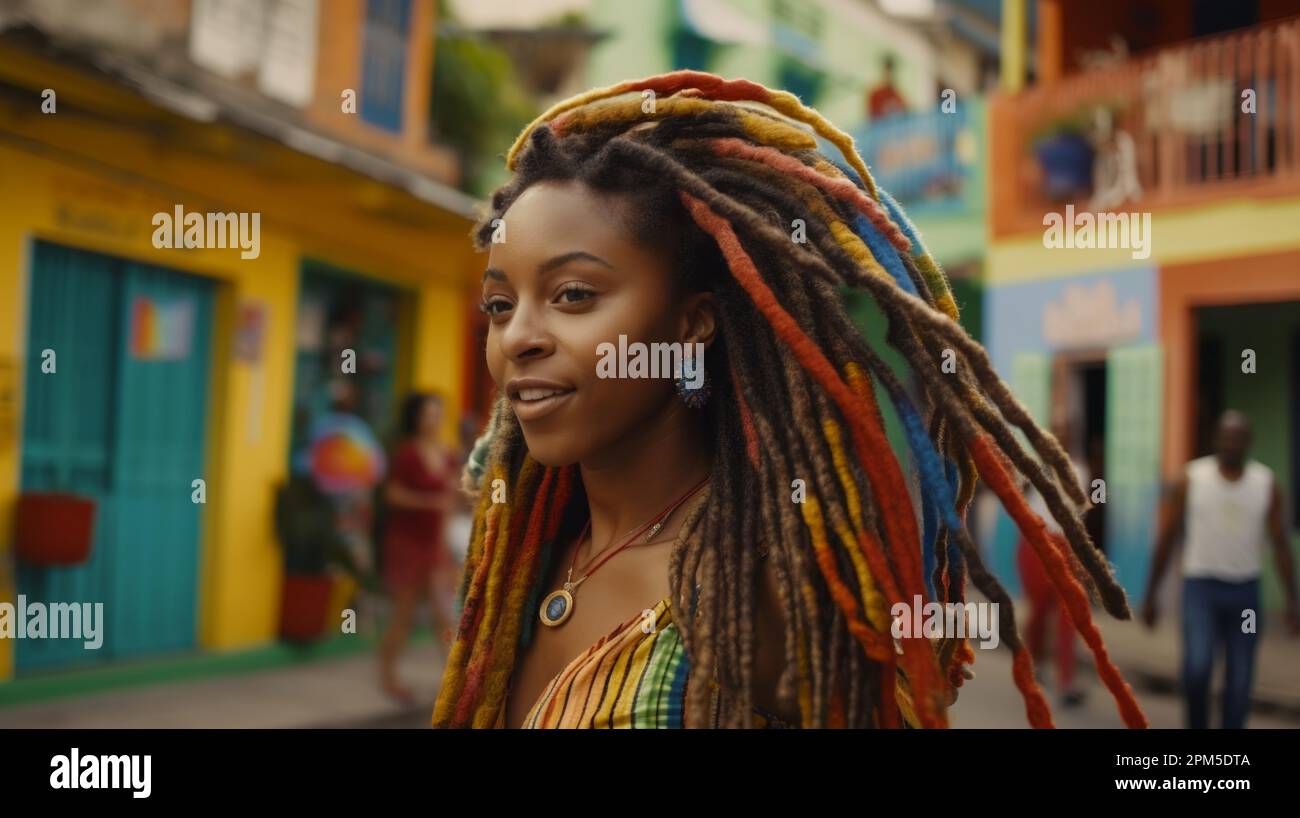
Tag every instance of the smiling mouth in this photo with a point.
(536, 402)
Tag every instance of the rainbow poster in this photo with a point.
(161, 331)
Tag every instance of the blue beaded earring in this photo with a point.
(689, 372)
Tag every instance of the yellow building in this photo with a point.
(164, 366)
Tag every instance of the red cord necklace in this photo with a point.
(558, 605)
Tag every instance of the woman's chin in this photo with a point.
(552, 454)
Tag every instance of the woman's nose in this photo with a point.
(526, 334)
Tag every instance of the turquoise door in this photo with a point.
(121, 418)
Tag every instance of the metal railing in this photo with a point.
(1193, 120)
(924, 158)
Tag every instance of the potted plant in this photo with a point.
(1065, 152)
(1065, 155)
(323, 517)
(313, 551)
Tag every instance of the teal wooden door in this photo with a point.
(122, 419)
(161, 418)
(68, 418)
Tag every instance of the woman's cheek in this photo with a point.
(495, 361)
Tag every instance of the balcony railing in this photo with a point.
(927, 160)
(1209, 118)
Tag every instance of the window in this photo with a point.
(383, 62)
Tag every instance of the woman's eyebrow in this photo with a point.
(550, 264)
(565, 258)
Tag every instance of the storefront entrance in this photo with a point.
(117, 373)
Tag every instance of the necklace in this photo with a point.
(558, 605)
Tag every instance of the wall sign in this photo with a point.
(250, 331)
(161, 330)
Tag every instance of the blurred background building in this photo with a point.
(365, 131)
(1188, 111)
(175, 366)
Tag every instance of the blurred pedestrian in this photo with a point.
(884, 100)
(420, 492)
(461, 524)
(1224, 507)
(1044, 602)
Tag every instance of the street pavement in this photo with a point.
(344, 692)
(340, 692)
(992, 700)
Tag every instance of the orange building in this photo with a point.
(1143, 271)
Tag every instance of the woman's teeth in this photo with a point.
(539, 394)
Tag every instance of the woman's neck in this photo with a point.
(637, 478)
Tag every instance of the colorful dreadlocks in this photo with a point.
(719, 171)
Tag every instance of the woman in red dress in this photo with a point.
(421, 490)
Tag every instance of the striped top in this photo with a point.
(634, 677)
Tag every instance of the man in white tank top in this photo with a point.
(1224, 508)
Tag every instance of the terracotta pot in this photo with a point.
(304, 606)
(54, 529)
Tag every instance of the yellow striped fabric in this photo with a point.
(634, 677)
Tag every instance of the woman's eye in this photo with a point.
(574, 293)
(494, 306)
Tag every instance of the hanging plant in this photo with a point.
(1065, 152)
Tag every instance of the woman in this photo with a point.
(420, 491)
(649, 553)
(1044, 605)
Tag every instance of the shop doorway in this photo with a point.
(115, 409)
(1079, 394)
(1248, 358)
(339, 311)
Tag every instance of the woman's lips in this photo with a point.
(543, 402)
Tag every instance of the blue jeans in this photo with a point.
(1212, 615)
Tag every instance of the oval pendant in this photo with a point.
(556, 608)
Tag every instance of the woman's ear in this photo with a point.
(697, 319)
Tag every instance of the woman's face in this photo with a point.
(430, 417)
(567, 278)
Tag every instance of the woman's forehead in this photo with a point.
(549, 215)
(567, 201)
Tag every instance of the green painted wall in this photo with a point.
(638, 41)
(959, 234)
(969, 295)
(640, 44)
